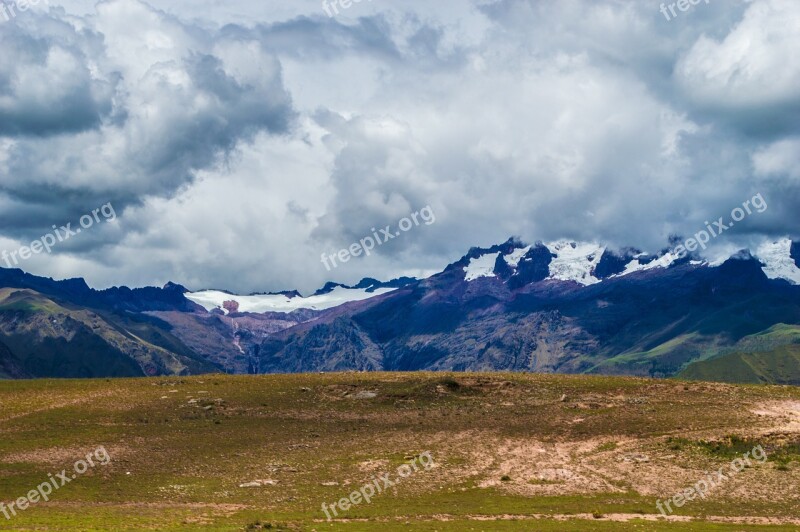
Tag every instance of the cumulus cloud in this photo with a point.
(239, 143)
(123, 105)
(778, 159)
(752, 66)
(47, 87)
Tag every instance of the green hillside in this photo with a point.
(779, 366)
(770, 357)
(45, 338)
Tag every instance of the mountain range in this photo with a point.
(562, 307)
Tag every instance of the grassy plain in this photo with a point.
(511, 452)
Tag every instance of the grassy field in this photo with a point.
(509, 452)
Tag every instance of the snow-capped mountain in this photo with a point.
(560, 306)
(330, 296)
(588, 263)
(567, 307)
(569, 261)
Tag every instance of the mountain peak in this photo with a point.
(585, 263)
(588, 263)
(175, 287)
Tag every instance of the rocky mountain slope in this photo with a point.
(42, 338)
(564, 307)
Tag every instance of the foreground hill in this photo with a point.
(507, 452)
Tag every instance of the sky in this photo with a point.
(236, 142)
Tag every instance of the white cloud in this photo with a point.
(779, 158)
(754, 64)
(239, 143)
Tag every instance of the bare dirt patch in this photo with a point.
(781, 416)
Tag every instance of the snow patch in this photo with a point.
(513, 258)
(664, 261)
(778, 260)
(482, 266)
(213, 299)
(575, 261)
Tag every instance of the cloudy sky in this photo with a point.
(239, 140)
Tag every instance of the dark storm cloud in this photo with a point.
(46, 87)
(93, 121)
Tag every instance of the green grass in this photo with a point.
(772, 356)
(730, 447)
(177, 465)
(780, 366)
(12, 299)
